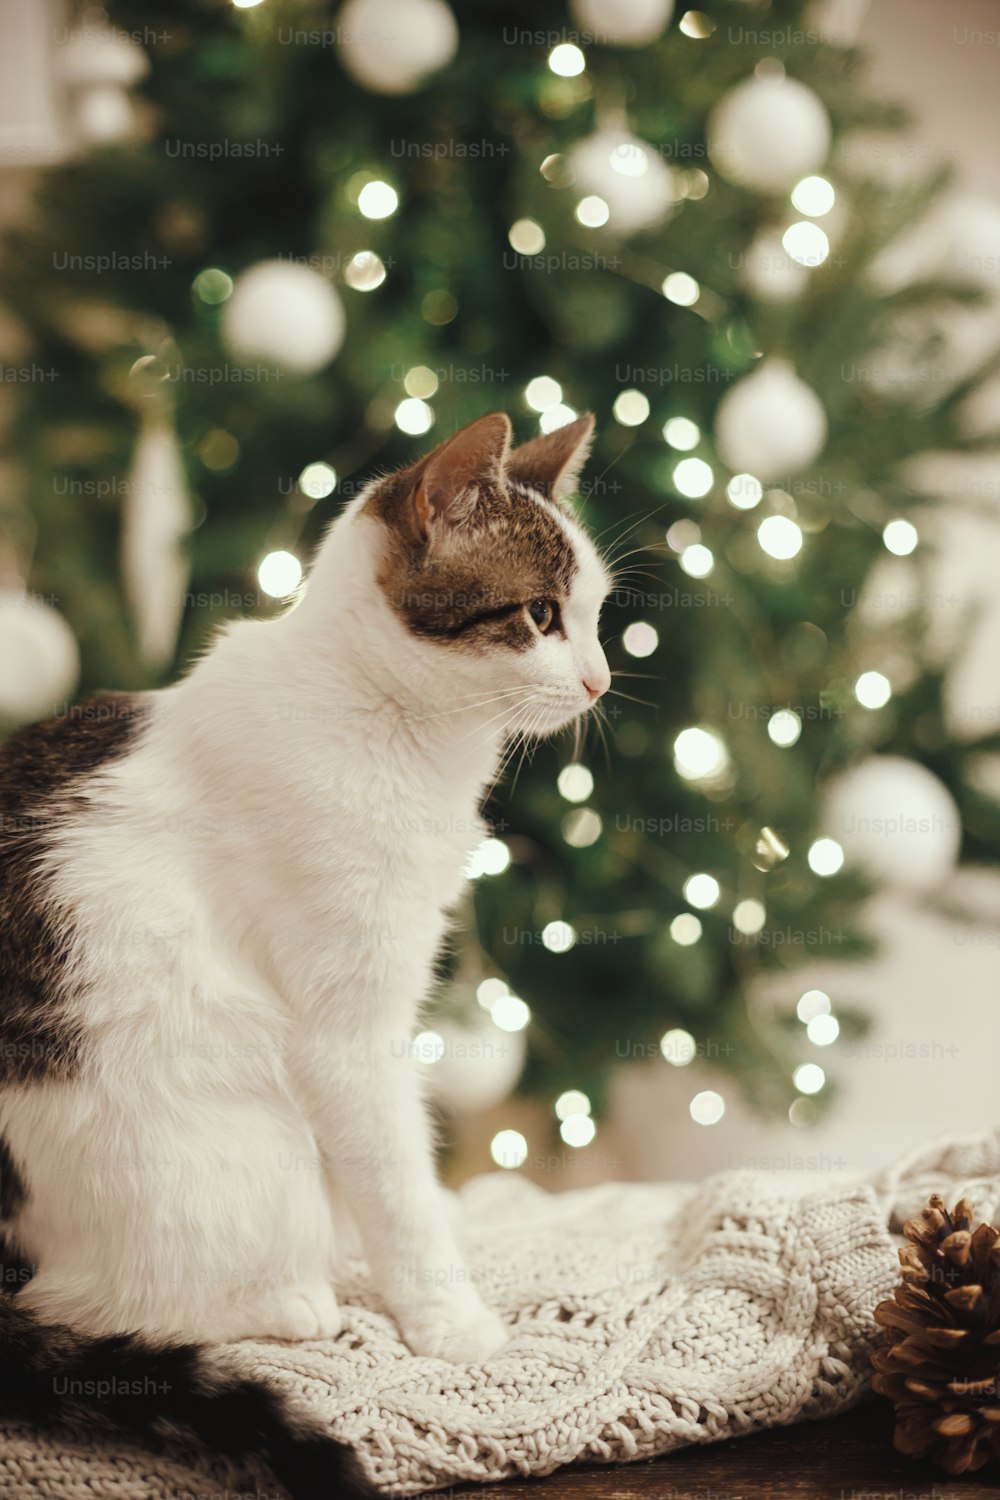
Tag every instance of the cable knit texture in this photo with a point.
(643, 1318)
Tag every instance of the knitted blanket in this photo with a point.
(643, 1317)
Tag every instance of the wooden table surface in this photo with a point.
(850, 1457)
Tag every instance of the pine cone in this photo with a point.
(940, 1360)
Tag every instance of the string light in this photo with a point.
(377, 200)
(640, 639)
(901, 537)
(510, 1013)
(701, 891)
(582, 827)
(873, 690)
(317, 481)
(592, 212)
(219, 450)
(806, 243)
(749, 916)
(364, 271)
(629, 159)
(809, 1078)
(489, 991)
(572, 1102)
(554, 417)
(812, 1004)
(825, 857)
(279, 574)
(769, 850)
(526, 237)
(681, 289)
(779, 537)
(439, 307)
(683, 534)
(428, 1047)
(420, 381)
(813, 196)
(491, 857)
(784, 728)
(213, 286)
(695, 24)
(567, 60)
(697, 560)
(509, 1149)
(558, 937)
(682, 433)
(578, 1130)
(707, 1108)
(699, 754)
(575, 783)
(556, 170)
(542, 392)
(631, 408)
(822, 1030)
(695, 183)
(685, 929)
(801, 1113)
(693, 478)
(414, 416)
(678, 1047)
(744, 491)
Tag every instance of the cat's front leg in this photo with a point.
(375, 1132)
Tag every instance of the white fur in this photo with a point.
(258, 891)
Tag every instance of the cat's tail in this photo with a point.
(125, 1385)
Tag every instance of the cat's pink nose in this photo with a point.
(596, 675)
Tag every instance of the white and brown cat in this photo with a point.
(221, 905)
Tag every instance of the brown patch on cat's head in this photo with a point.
(473, 539)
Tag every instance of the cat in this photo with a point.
(222, 903)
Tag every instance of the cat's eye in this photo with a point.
(545, 613)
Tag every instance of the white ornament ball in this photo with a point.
(895, 818)
(770, 273)
(39, 658)
(770, 424)
(622, 23)
(767, 133)
(478, 1066)
(629, 174)
(286, 313)
(393, 46)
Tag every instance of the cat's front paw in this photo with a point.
(461, 1337)
(298, 1313)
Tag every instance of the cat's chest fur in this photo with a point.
(331, 862)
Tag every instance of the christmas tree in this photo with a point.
(303, 243)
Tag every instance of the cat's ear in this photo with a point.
(448, 477)
(553, 462)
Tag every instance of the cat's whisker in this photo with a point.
(600, 725)
(631, 525)
(618, 570)
(485, 702)
(527, 748)
(646, 702)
